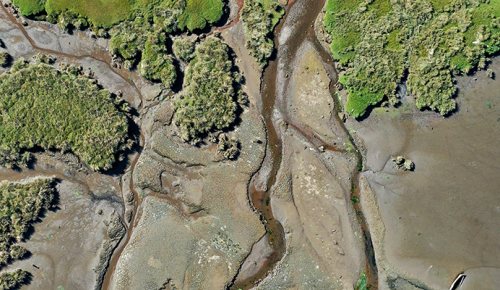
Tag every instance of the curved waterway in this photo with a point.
(296, 28)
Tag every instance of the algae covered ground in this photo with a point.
(381, 43)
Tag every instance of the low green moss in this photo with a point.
(362, 283)
(30, 7)
(199, 13)
(52, 109)
(360, 101)
(101, 13)
(460, 63)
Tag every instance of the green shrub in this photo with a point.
(208, 99)
(144, 39)
(13, 280)
(4, 58)
(44, 107)
(156, 64)
(21, 204)
(376, 42)
(259, 19)
(183, 47)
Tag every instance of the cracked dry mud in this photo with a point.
(281, 216)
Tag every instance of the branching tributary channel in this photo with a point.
(101, 55)
(298, 23)
(299, 19)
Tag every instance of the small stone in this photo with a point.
(129, 197)
(128, 215)
(490, 73)
(343, 116)
(409, 165)
(399, 160)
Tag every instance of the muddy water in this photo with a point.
(443, 218)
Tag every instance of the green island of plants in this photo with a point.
(380, 42)
(209, 98)
(21, 204)
(196, 14)
(259, 18)
(42, 107)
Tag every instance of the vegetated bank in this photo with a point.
(21, 204)
(153, 40)
(259, 18)
(43, 107)
(196, 14)
(380, 42)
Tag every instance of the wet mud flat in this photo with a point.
(443, 218)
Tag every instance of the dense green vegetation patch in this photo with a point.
(209, 97)
(21, 204)
(30, 7)
(58, 109)
(156, 63)
(198, 13)
(259, 18)
(101, 13)
(378, 42)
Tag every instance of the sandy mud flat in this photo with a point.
(443, 218)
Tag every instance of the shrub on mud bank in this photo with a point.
(156, 63)
(143, 40)
(208, 101)
(42, 107)
(21, 204)
(13, 280)
(259, 19)
(183, 47)
(378, 42)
